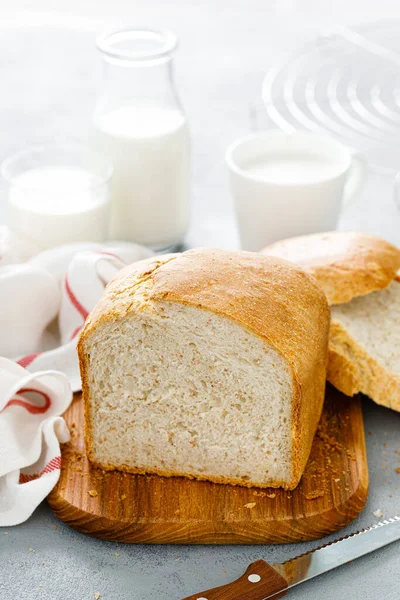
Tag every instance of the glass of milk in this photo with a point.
(58, 194)
(140, 126)
(286, 185)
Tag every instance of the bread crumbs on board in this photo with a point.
(250, 505)
(93, 493)
(314, 494)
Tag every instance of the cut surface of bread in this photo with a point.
(364, 353)
(191, 399)
(210, 364)
(346, 264)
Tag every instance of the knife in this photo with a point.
(262, 581)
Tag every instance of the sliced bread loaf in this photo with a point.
(208, 364)
(358, 274)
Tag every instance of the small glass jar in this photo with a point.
(139, 125)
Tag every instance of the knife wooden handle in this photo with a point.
(258, 582)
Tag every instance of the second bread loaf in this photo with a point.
(358, 272)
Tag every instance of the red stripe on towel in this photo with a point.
(51, 466)
(74, 300)
(77, 330)
(108, 254)
(32, 408)
(25, 361)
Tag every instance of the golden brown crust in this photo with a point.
(352, 370)
(344, 263)
(271, 298)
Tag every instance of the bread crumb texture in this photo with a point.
(364, 346)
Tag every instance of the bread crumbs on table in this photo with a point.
(177, 559)
(117, 554)
(31, 550)
(93, 493)
(398, 470)
(390, 495)
(40, 584)
(250, 505)
(97, 595)
(378, 513)
(54, 527)
(5, 532)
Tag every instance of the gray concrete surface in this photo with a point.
(48, 78)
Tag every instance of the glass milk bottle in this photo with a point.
(139, 125)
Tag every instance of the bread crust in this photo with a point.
(268, 296)
(345, 264)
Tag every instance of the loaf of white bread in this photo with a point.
(209, 364)
(358, 273)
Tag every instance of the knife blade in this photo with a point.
(262, 581)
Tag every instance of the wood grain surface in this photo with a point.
(151, 509)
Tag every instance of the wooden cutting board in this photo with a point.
(161, 510)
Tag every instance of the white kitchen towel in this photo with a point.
(31, 430)
(14, 249)
(44, 302)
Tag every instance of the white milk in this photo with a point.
(286, 185)
(293, 169)
(54, 205)
(149, 149)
